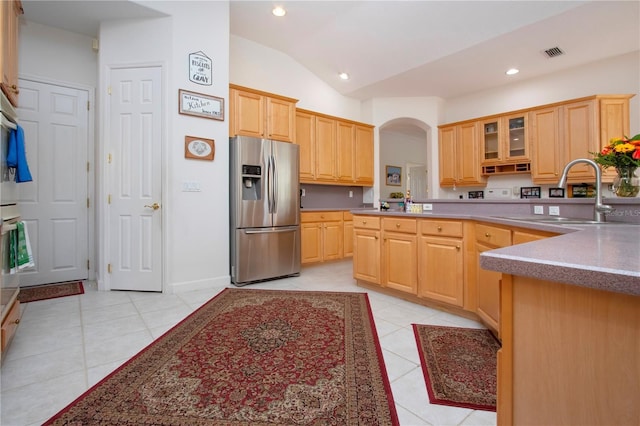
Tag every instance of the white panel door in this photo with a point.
(54, 205)
(135, 178)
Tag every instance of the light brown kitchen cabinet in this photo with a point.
(441, 261)
(306, 139)
(334, 151)
(347, 228)
(345, 150)
(321, 236)
(10, 322)
(261, 115)
(504, 139)
(326, 150)
(458, 155)
(366, 249)
(363, 155)
(488, 237)
(400, 254)
(10, 11)
(584, 345)
(575, 129)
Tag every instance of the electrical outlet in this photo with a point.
(427, 207)
(350, 194)
(303, 192)
(554, 210)
(538, 209)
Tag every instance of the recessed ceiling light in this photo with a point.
(279, 11)
(344, 76)
(512, 71)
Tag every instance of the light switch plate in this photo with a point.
(554, 210)
(538, 209)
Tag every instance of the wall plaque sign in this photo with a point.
(200, 69)
(200, 105)
(199, 148)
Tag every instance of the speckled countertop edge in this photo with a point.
(604, 257)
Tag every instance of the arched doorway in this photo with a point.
(404, 145)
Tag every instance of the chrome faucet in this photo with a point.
(600, 209)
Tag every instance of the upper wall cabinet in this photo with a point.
(334, 151)
(504, 140)
(261, 115)
(538, 140)
(458, 155)
(10, 10)
(575, 129)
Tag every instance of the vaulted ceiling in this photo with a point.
(406, 48)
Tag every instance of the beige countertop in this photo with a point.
(600, 256)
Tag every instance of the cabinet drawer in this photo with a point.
(10, 325)
(446, 228)
(328, 216)
(493, 235)
(400, 225)
(347, 216)
(366, 222)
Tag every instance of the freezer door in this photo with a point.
(262, 254)
(286, 186)
(248, 182)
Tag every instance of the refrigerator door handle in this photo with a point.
(274, 183)
(271, 230)
(269, 186)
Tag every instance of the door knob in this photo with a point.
(154, 206)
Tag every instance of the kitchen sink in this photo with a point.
(558, 220)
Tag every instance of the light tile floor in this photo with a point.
(64, 346)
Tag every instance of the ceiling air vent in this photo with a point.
(553, 52)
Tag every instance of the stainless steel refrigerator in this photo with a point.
(265, 209)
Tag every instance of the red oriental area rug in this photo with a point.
(459, 365)
(252, 357)
(50, 291)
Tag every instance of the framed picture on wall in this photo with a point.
(394, 175)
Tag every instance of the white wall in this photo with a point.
(56, 55)
(260, 67)
(195, 224)
(616, 75)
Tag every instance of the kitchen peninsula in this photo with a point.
(564, 299)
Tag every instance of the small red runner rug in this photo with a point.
(459, 365)
(248, 356)
(50, 291)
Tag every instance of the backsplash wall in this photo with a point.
(331, 196)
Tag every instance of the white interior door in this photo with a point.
(135, 179)
(54, 206)
(417, 178)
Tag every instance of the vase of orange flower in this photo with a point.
(624, 155)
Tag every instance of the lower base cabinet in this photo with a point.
(400, 260)
(488, 237)
(582, 371)
(366, 249)
(9, 325)
(321, 236)
(441, 261)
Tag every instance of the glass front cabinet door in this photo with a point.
(504, 140)
(516, 146)
(491, 152)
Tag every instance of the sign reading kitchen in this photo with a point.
(200, 68)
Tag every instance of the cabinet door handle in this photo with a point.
(17, 321)
(486, 234)
(364, 222)
(458, 248)
(376, 237)
(397, 225)
(439, 228)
